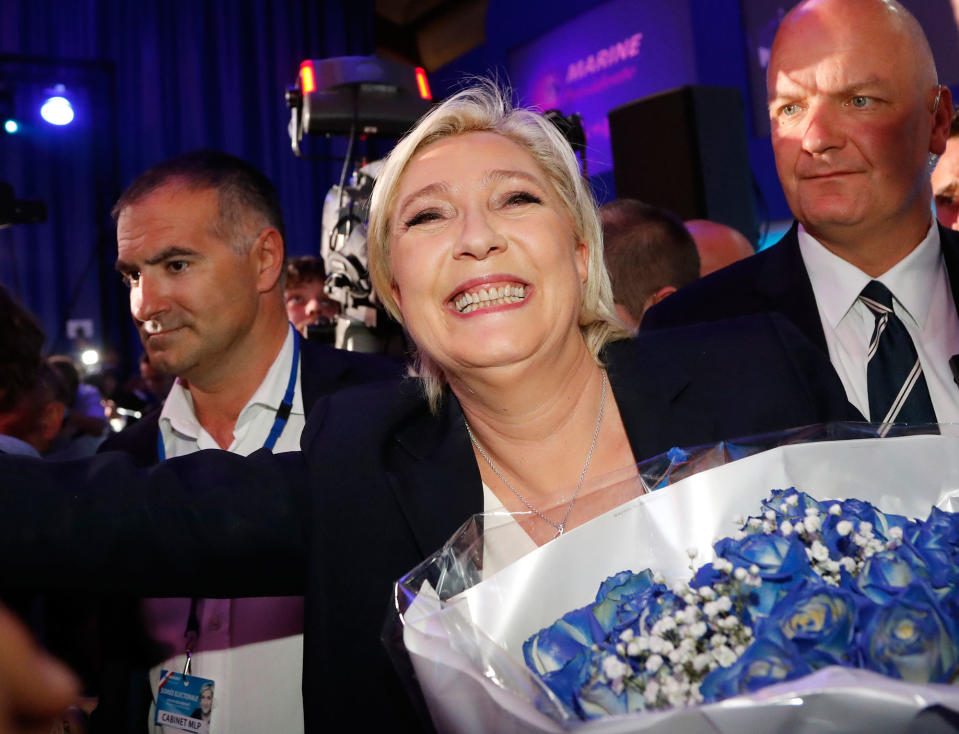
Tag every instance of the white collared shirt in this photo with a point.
(183, 434)
(251, 648)
(922, 299)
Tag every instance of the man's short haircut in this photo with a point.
(303, 269)
(21, 344)
(69, 375)
(646, 248)
(247, 200)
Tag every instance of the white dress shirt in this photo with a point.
(252, 648)
(922, 299)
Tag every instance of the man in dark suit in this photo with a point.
(201, 246)
(856, 112)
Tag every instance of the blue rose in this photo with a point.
(860, 511)
(781, 561)
(622, 597)
(936, 541)
(819, 619)
(596, 697)
(839, 545)
(567, 681)
(769, 659)
(911, 638)
(778, 503)
(553, 648)
(883, 577)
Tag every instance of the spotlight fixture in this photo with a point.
(57, 109)
(90, 357)
(7, 111)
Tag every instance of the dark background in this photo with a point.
(153, 78)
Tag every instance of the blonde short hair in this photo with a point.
(485, 107)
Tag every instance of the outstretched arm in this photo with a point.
(210, 524)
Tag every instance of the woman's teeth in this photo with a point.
(486, 298)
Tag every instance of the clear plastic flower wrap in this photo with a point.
(463, 615)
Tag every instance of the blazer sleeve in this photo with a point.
(212, 523)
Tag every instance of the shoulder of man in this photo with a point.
(727, 293)
(138, 439)
(326, 370)
(759, 357)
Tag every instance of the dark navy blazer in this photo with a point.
(772, 281)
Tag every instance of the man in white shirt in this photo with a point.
(201, 246)
(856, 112)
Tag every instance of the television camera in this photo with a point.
(353, 96)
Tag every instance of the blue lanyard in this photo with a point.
(282, 412)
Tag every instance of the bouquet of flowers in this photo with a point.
(802, 586)
(463, 621)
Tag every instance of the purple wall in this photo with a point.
(617, 52)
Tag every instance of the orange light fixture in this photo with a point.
(307, 80)
(422, 83)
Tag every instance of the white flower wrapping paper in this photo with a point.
(467, 650)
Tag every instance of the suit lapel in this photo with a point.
(784, 282)
(645, 390)
(425, 454)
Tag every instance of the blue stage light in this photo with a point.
(57, 109)
(11, 126)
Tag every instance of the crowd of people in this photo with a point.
(280, 486)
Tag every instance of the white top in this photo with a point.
(504, 539)
(922, 299)
(251, 648)
(183, 434)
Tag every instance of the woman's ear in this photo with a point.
(581, 254)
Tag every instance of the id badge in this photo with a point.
(184, 702)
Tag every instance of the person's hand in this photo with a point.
(34, 687)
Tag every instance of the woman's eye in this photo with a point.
(422, 217)
(522, 197)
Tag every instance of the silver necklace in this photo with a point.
(560, 526)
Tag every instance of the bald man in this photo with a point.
(717, 244)
(856, 109)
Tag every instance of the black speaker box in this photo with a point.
(685, 150)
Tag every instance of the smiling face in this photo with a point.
(193, 298)
(206, 701)
(487, 270)
(851, 98)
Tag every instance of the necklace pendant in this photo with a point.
(560, 526)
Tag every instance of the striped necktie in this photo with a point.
(897, 387)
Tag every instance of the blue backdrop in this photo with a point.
(151, 79)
